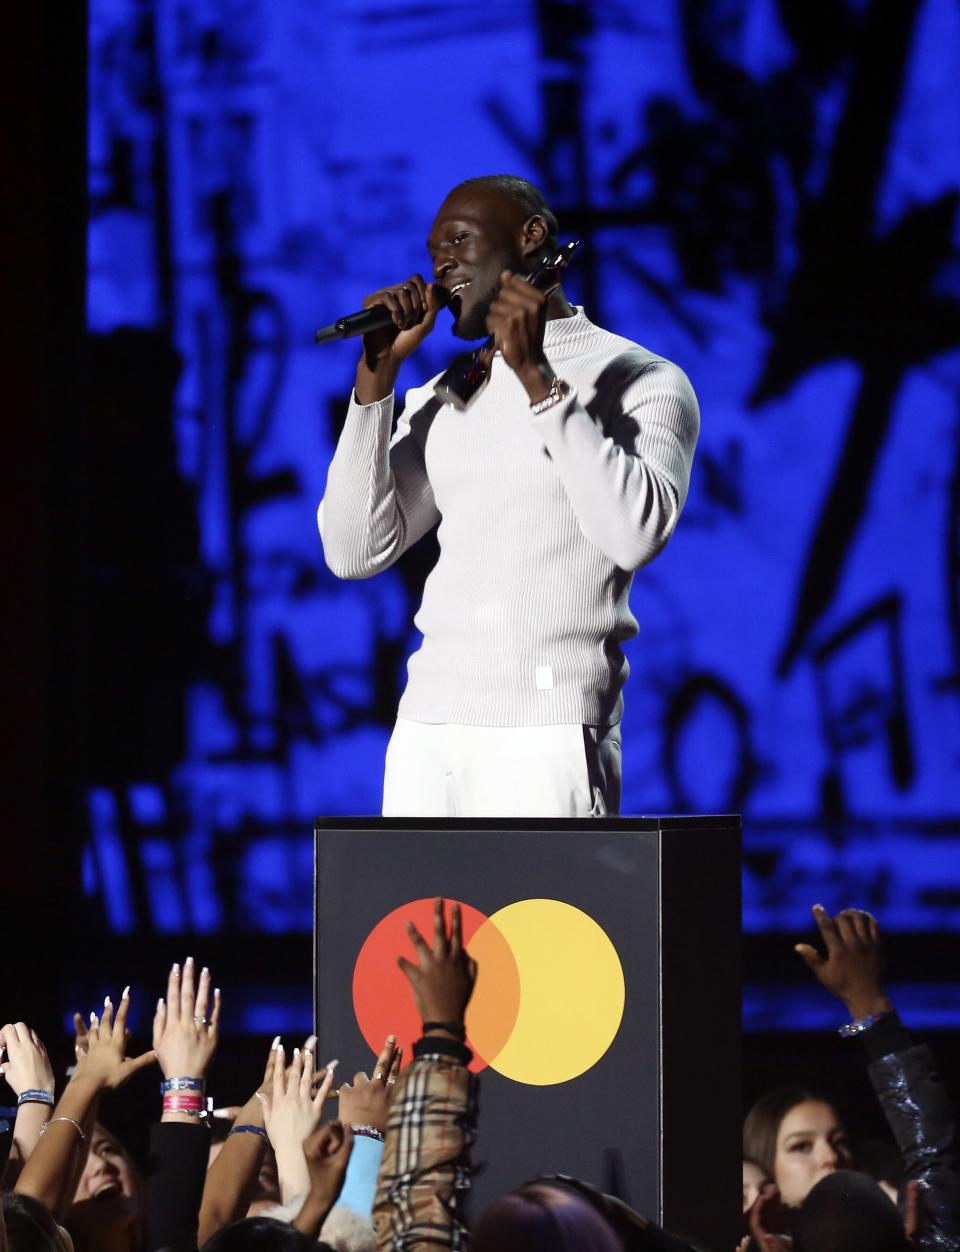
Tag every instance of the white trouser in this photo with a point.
(501, 771)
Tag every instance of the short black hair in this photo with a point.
(525, 195)
(262, 1234)
(848, 1212)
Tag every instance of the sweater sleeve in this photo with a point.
(625, 464)
(176, 1170)
(378, 499)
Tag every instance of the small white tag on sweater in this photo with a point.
(544, 677)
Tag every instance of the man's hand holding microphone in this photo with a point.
(413, 306)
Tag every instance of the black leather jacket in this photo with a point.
(905, 1078)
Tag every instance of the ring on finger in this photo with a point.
(200, 1021)
(378, 1075)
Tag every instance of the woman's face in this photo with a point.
(811, 1143)
(109, 1187)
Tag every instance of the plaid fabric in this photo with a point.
(426, 1162)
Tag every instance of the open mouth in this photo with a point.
(106, 1190)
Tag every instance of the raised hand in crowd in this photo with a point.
(232, 1178)
(443, 981)
(767, 1224)
(184, 1036)
(366, 1102)
(51, 1169)
(327, 1155)
(27, 1069)
(292, 1111)
(850, 969)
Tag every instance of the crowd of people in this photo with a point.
(392, 1170)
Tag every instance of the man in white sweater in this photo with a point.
(564, 476)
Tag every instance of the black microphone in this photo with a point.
(367, 320)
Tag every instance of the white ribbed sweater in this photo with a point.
(542, 522)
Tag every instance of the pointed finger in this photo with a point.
(456, 929)
(306, 1073)
(203, 994)
(279, 1072)
(847, 928)
(159, 1021)
(134, 1064)
(326, 1084)
(214, 1026)
(417, 940)
(123, 1008)
(395, 1063)
(439, 927)
(173, 993)
(382, 1063)
(188, 994)
(827, 927)
(809, 954)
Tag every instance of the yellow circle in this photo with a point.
(571, 992)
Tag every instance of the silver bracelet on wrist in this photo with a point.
(559, 390)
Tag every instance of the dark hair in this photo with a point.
(27, 1226)
(848, 1212)
(539, 1217)
(527, 197)
(262, 1234)
(762, 1123)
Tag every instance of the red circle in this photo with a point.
(382, 998)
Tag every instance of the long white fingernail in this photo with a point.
(216, 993)
(175, 968)
(188, 961)
(296, 1053)
(107, 1002)
(224, 1113)
(205, 970)
(275, 1044)
(332, 1064)
(160, 1004)
(126, 993)
(93, 1019)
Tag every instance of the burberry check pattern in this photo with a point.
(425, 1172)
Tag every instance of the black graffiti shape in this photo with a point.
(859, 297)
(697, 689)
(872, 704)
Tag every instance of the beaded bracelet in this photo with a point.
(182, 1084)
(369, 1132)
(247, 1129)
(861, 1024)
(35, 1095)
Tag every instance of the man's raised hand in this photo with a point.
(850, 969)
(443, 981)
(367, 1101)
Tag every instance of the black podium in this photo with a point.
(606, 1018)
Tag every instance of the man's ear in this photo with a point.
(535, 235)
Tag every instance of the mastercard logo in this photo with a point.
(549, 996)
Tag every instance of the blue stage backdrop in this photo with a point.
(768, 195)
